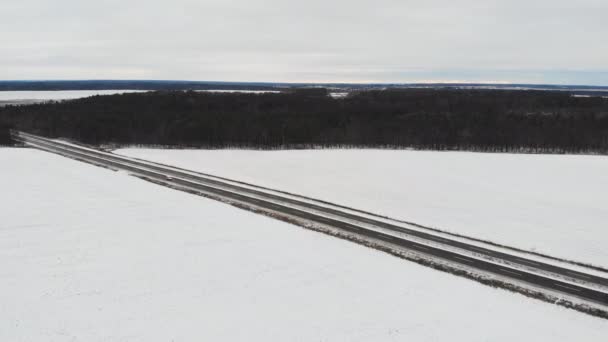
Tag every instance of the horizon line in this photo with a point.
(492, 83)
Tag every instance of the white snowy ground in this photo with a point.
(87, 254)
(554, 204)
(57, 95)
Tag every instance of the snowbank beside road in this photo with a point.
(88, 254)
(553, 204)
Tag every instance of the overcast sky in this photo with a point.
(528, 41)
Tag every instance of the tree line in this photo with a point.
(5, 137)
(445, 119)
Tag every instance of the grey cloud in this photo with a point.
(268, 40)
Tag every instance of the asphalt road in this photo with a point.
(216, 187)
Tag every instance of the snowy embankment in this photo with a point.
(88, 254)
(552, 204)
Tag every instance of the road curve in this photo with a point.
(342, 220)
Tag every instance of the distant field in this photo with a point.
(553, 204)
(28, 97)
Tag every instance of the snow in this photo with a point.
(552, 204)
(16, 96)
(87, 254)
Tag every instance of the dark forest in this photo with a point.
(449, 119)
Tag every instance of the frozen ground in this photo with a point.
(17, 97)
(87, 254)
(553, 204)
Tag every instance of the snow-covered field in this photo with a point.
(87, 254)
(553, 204)
(9, 97)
